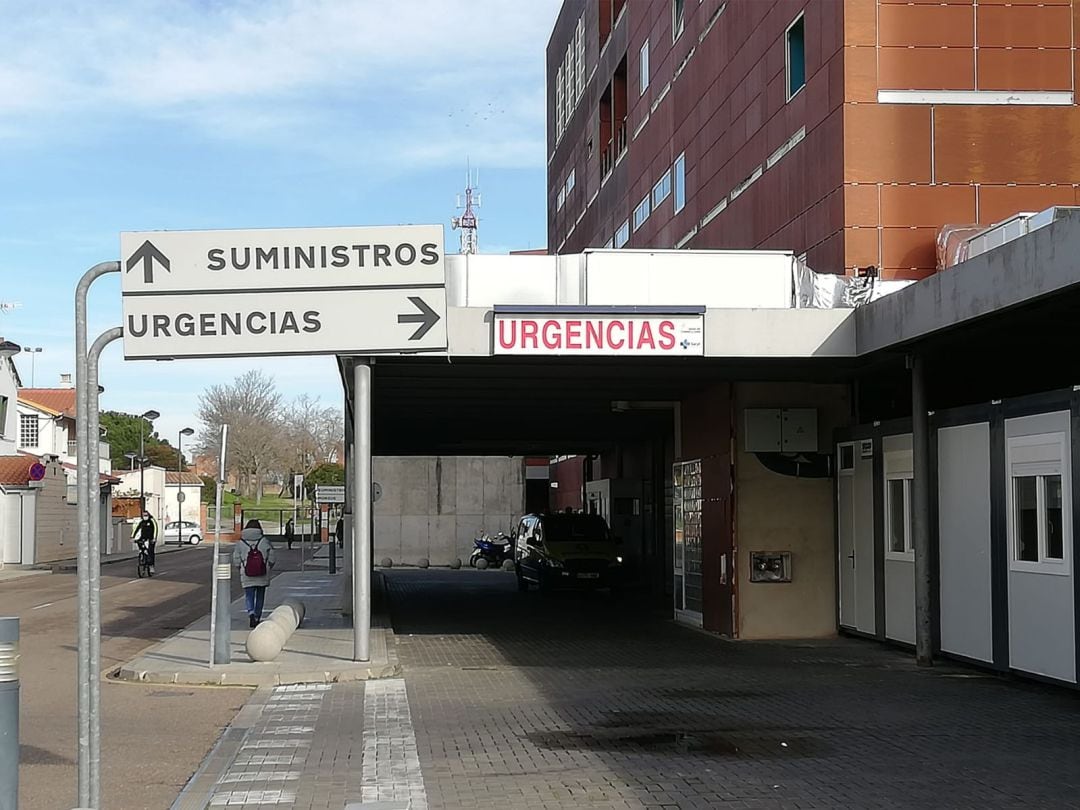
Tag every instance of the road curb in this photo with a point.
(256, 679)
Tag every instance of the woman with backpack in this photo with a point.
(253, 554)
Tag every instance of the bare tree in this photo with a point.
(313, 433)
(251, 407)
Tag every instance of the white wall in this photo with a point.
(9, 389)
(1041, 618)
(16, 526)
(966, 612)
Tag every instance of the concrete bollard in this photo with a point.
(9, 713)
(267, 640)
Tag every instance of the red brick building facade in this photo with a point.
(848, 130)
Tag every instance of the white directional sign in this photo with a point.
(329, 493)
(279, 292)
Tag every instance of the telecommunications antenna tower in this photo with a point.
(467, 222)
(8, 306)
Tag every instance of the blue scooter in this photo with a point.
(491, 551)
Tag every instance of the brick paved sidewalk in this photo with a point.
(581, 701)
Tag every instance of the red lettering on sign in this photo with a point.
(612, 344)
(528, 332)
(646, 337)
(504, 341)
(573, 334)
(594, 335)
(549, 328)
(667, 335)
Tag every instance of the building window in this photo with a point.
(641, 213)
(571, 180)
(559, 105)
(898, 525)
(677, 19)
(643, 68)
(796, 56)
(579, 41)
(560, 198)
(662, 189)
(3, 415)
(679, 182)
(1039, 516)
(28, 430)
(622, 236)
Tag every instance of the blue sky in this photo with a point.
(262, 113)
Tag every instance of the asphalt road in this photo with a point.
(153, 737)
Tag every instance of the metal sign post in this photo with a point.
(86, 471)
(220, 580)
(93, 498)
(361, 481)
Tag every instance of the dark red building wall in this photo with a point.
(726, 108)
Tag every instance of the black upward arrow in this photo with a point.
(147, 254)
(426, 317)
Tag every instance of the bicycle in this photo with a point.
(143, 566)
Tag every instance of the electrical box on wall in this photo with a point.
(780, 430)
(770, 566)
(798, 430)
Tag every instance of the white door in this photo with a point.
(845, 521)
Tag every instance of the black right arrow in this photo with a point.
(147, 254)
(427, 317)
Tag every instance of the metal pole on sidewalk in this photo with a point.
(361, 557)
(920, 517)
(220, 577)
(93, 430)
(84, 466)
(9, 714)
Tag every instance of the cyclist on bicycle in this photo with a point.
(145, 535)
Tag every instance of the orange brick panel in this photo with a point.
(926, 26)
(909, 248)
(860, 74)
(1003, 144)
(861, 205)
(1001, 202)
(905, 274)
(860, 22)
(1024, 2)
(1025, 69)
(926, 68)
(861, 247)
(886, 143)
(927, 206)
(1025, 26)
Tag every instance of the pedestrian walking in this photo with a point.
(290, 533)
(254, 556)
(339, 532)
(145, 534)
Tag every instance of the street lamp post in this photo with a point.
(180, 483)
(33, 351)
(148, 416)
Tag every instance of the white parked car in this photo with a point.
(182, 532)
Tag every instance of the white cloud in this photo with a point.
(426, 75)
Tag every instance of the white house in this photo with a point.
(161, 487)
(46, 426)
(37, 474)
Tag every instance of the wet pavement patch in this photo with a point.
(705, 743)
